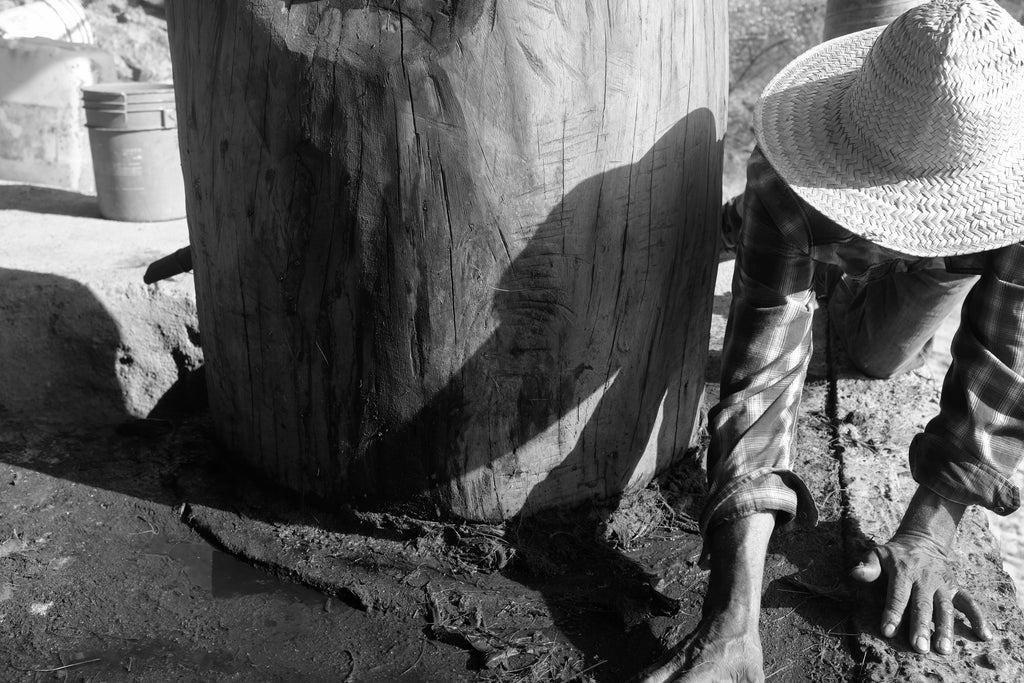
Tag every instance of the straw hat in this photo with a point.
(911, 135)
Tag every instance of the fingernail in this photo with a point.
(922, 644)
(888, 630)
(945, 645)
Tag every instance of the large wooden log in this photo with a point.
(459, 253)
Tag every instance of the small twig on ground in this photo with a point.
(792, 611)
(791, 663)
(57, 668)
(779, 670)
(838, 591)
(423, 646)
(831, 631)
(593, 666)
(151, 530)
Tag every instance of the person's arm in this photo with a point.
(922, 590)
(964, 456)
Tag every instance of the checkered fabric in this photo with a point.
(784, 249)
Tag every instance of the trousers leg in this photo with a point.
(887, 322)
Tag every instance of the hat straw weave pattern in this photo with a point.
(911, 135)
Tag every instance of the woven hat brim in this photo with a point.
(798, 126)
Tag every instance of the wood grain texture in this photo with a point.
(459, 252)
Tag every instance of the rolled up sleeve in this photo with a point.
(971, 449)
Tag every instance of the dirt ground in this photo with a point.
(107, 574)
(127, 554)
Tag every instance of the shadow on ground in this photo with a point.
(58, 349)
(49, 200)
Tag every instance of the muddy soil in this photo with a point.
(138, 553)
(133, 554)
(100, 580)
(106, 573)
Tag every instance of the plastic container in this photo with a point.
(55, 19)
(42, 139)
(133, 134)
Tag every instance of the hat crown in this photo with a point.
(941, 89)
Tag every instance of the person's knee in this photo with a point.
(874, 369)
(885, 365)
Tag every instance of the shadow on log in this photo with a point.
(580, 379)
(454, 255)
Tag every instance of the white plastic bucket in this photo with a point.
(55, 19)
(133, 133)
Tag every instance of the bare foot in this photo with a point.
(726, 645)
(712, 653)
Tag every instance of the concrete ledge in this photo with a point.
(82, 336)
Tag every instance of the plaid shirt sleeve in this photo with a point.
(968, 452)
(764, 359)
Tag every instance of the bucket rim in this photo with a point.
(126, 89)
(122, 107)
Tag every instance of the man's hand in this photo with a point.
(922, 590)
